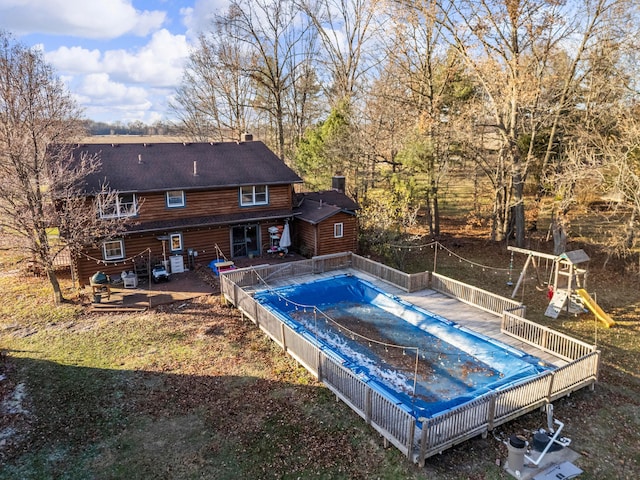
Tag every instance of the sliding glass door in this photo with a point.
(245, 240)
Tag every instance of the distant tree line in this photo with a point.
(132, 128)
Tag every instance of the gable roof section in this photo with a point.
(139, 167)
(331, 197)
(314, 207)
(315, 212)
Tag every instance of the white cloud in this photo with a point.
(75, 59)
(126, 78)
(159, 63)
(82, 18)
(104, 99)
(198, 18)
(103, 91)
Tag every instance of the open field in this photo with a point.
(192, 391)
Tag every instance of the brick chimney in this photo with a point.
(338, 183)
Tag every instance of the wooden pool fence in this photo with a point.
(421, 438)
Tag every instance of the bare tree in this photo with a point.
(213, 102)
(274, 34)
(303, 101)
(347, 31)
(508, 46)
(431, 92)
(597, 125)
(40, 184)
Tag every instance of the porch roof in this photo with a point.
(210, 221)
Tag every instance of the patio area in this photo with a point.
(181, 287)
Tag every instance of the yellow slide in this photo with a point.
(595, 308)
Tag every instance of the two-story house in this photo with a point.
(188, 202)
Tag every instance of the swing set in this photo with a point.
(535, 259)
(566, 282)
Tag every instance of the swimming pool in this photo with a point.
(410, 355)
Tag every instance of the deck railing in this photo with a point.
(487, 301)
(408, 282)
(393, 422)
(246, 277)
(422, 438)
(544, 338)
(328, 263)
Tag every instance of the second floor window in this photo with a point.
(124, 205)
(175, 198)
(254, 195)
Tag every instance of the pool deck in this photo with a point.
(461, 313)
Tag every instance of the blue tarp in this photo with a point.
(458, 365)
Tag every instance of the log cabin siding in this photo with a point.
(318, 239)
(202, 240)
(153, 205)
(328, 244)
(305, 238)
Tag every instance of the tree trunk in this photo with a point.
(559, 231)
(518, 209)
(500, 215)
(436, 214)
(630, 240)
(53, 280)
(429, 211)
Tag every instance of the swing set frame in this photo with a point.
(533, 257)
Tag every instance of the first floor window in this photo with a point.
(175, 242)
(254, 195)
(113, 250)
(338, 230)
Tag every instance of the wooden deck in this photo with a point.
(463, 314)
(420, 439)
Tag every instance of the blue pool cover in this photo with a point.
(379, 337)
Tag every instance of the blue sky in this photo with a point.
(121, 59)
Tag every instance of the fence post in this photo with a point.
(367, 406)
(550, 390)
(410, 438)
(545, 338)
(284, 342)
(491, 414)
(422, 456)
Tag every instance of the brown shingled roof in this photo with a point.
(209, 221)
(170, 166)
(332, 197)
(313, 207)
